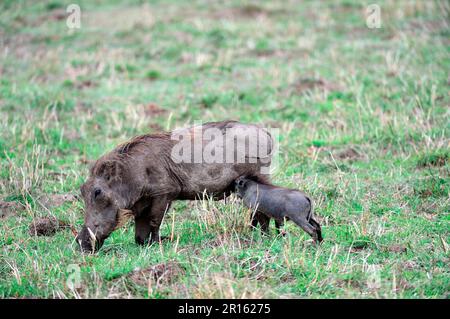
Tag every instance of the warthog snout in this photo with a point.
(89, 243)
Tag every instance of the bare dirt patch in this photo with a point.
(72, 135)
(428, 209)
(357, 249)
(229, 239)
(55, 200)
(308, 84)
(153, 109)
(273, 124)
(79, 74)
(9, 208)
(433, 160)
(85, 84)
(396, 249)
(249, 11)
(349, 153)
(434, 26)
(125, 18)
(54, 15)
(46, 226)
(154, 127)
(86, 161)
(163, 273)
(410, 265)
(278, 53)
(58, 14)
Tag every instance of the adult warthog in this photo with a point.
(144, 175)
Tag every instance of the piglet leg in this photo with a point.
(307, 227)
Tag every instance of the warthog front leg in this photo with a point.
(262, 219)
(157, 211)
(147, 223)
(279, 223)
(142, 228)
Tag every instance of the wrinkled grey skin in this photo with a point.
(278, 203)
(141, 176)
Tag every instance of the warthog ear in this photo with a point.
(109, 170)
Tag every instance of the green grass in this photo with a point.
(312, 69)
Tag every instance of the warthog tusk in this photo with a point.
(91, 234)
(92, 238)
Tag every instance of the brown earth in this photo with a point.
(46, 226)
(9, 208)
(55, 200)
(307, 84)
(163, 273)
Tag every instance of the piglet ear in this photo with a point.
(109, 170)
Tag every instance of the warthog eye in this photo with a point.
(97, 192)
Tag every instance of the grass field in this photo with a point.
(363, 116)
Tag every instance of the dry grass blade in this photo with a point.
(123, 216)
